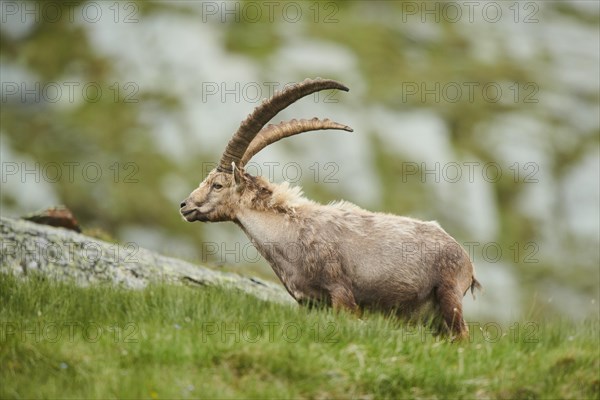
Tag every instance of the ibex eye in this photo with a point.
(217, 186)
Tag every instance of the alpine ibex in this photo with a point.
(336, 254)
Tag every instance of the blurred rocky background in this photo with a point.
(481, 115)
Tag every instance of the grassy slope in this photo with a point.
(58, 340)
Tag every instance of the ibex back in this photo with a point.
(336, 254)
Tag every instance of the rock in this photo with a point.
(64, 254)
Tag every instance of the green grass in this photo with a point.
(58, 340)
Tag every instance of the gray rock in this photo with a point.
(63, 254)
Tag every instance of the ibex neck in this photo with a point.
(267, 228)
(273, 226)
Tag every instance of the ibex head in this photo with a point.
(228, 187)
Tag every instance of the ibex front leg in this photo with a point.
(342, 298)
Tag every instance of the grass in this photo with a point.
(58, 340)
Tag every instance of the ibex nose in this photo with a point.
(182, 204)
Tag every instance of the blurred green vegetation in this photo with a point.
(112, 131)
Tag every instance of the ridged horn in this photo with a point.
(272, 133)
(262, 114)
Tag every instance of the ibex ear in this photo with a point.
(238, 177)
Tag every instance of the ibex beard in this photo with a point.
(336, 254)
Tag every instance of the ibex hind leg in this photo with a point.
(449, 301)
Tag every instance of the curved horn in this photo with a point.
(262, 114)
(272, 133)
